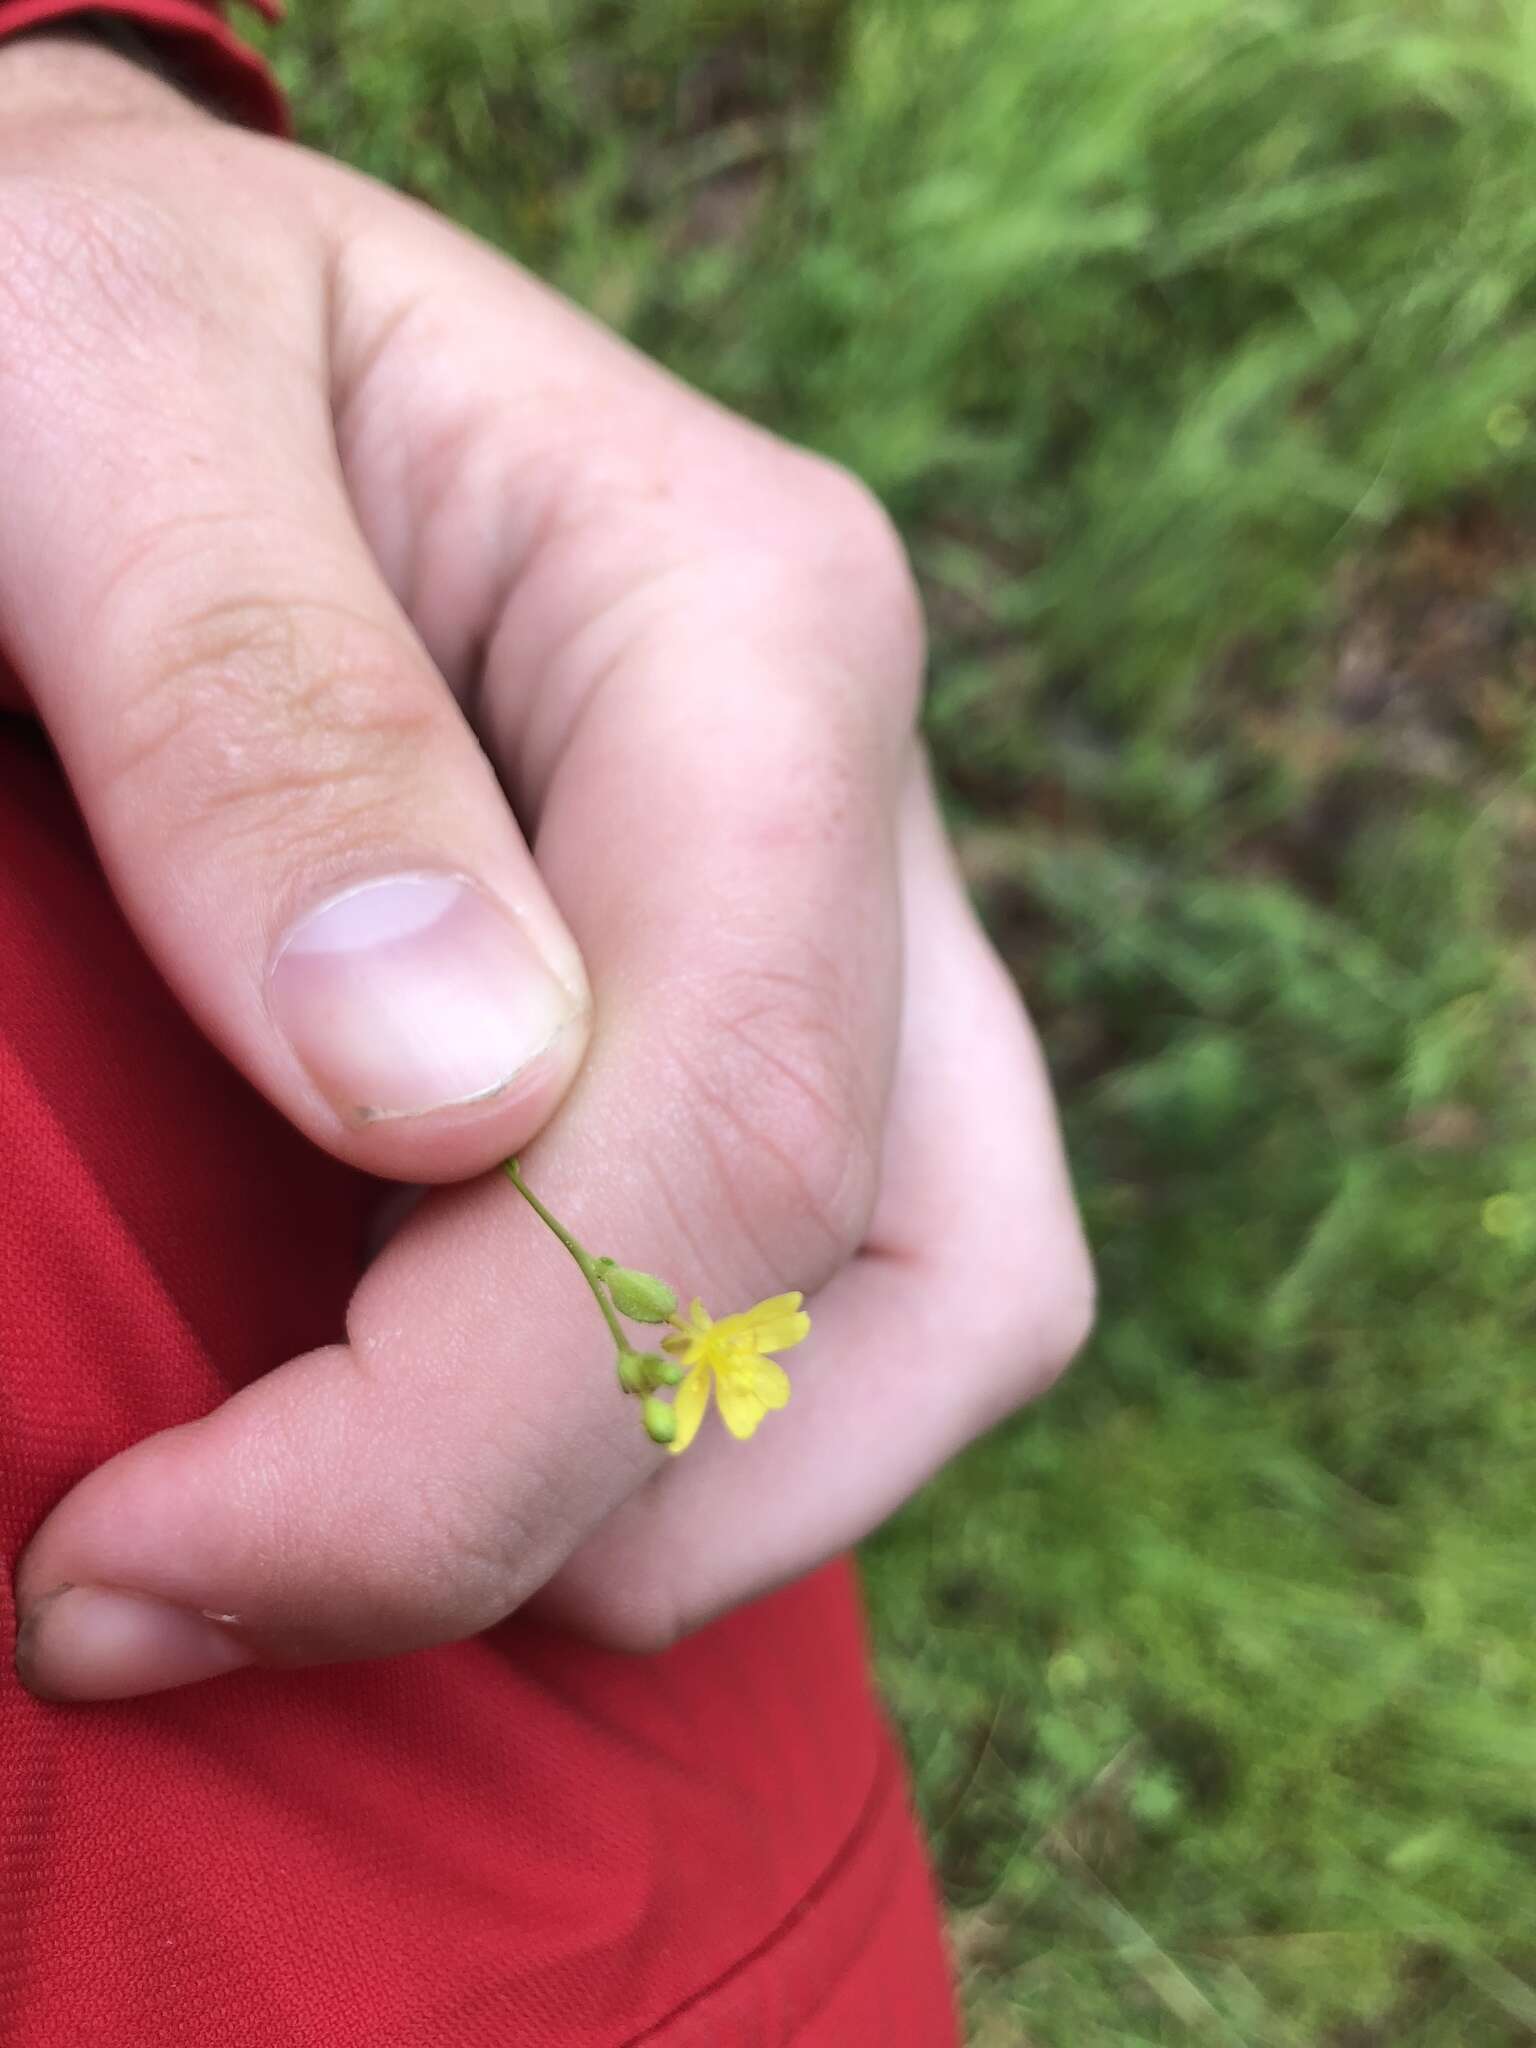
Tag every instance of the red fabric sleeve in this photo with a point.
(208, 55)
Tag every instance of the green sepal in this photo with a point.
(640, 1296)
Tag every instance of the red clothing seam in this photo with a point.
(856, 1954)
(869, 1814)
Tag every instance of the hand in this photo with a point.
(312, 490)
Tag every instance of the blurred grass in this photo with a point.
(1191, 341)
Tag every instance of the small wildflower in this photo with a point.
(735, 1351)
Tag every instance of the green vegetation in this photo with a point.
(1191, 341)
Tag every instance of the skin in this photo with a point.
(307, 476)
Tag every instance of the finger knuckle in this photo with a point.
(859, 541)
(478, 1558)
(251, 715)
(1026, 1337)
(1063, 1321)
(492, 1512)
(782, 1119)
(782, 537)
(477, 1548)
(636, 1622)
(839, 552)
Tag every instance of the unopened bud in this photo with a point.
(640, 1296)
(633, 1377)
(660, 1422)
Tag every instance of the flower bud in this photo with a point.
(633, 1377)
(640, 1296)
(660, 1422)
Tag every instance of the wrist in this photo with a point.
(68, 70)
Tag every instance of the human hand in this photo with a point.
(306, 486)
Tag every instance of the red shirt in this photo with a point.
(517, 1840)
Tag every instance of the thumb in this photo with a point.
(289, 804)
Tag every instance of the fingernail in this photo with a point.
(95, 1643)
(415, 993)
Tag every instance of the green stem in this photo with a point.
(578, 1252)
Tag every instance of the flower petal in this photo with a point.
(769, 1311)
(691, 1401)
(740, 1409)
(782, 1334)
(770, 1383)
(773, 1325)
(700, 1315)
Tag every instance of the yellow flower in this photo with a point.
(747, 1382)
